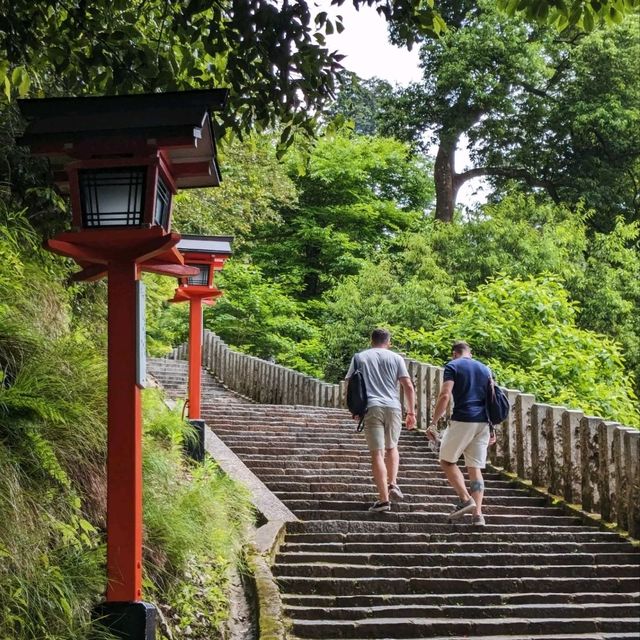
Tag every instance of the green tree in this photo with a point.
(525, 330)
(266, 54)
(256, 316)
(609, 290)
(355, 193)
(255, 187)
(517, 236)
(554, 114)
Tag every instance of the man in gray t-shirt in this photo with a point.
(382, 369)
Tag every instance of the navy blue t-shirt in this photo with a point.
(470, 380)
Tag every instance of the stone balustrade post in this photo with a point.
(343, 394)
(524, 402)
(541, 415)
(504, 449)
(412, 368)
(553, 437)
(621, 482)
(607, 471)
(631, 441)
(421, 396)
(589, 459)
(571, 461)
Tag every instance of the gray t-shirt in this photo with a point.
(381, 370)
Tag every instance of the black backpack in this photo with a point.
(357, 394)
(497, 403)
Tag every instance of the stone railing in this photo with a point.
(585, 460)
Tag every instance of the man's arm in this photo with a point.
(351, 369)
(410, 401)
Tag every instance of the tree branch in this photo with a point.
(517, 173)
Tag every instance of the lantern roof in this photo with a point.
(178, 124)
(220, 245)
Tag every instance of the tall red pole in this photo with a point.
(195, 356)
(124, 441)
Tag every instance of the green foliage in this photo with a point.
(525, 330)
(255, 187)
(268, 56)
(51, 451)
(354, 193)
(52, 466)
(564, 15)
(256, 316)
(517, 236)
(609, 290)
(553, 114)
(167, 324)
(195, 520)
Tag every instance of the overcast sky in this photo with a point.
(369, 53)
(366, 45)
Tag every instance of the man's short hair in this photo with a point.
(460, 347)
(380, 336)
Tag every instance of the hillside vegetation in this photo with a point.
(52, 468)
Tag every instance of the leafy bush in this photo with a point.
(525, 330)
(195, 521)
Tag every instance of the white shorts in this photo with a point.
(470, 438)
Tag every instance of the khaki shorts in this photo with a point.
(382, 426)
(470, 438)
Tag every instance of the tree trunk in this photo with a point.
(445, 180)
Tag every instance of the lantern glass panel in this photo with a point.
(202, 279)
(163, 205)
(112, 197)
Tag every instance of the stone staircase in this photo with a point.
(535, 571)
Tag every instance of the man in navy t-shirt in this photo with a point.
(466, 381)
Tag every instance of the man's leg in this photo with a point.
(392, 461)
(380, 474)
(456, 479)
(476, 485)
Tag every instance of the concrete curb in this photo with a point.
(266, 538)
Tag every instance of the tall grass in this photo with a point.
(195, 521)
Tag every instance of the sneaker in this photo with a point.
(395, 493)
(461, 508)
(380, 506)
(478, 521)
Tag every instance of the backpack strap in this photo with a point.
(356, 367)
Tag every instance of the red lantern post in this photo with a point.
(121, 159)
(208, 254)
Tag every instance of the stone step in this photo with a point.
(340, 586)
(554, 636)
(540, 600)
(488, 545)
(436, 517)
(454, 570)
(320, 453)
(507, 558)
(492, 509)
(267, 411)
(378, 523)
(478, 612)
(412, 498)
(460, 627)
(535, 571)
(437, 487)
(345, 472)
